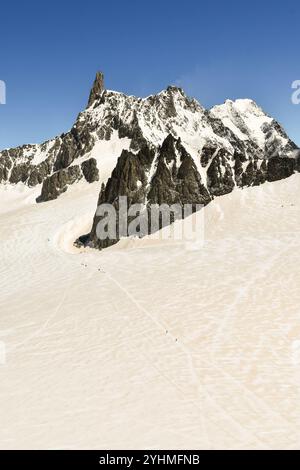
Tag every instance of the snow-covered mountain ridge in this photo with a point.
(114, 122)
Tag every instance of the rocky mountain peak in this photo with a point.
(175, 89)
(198, 151)
(97, 89)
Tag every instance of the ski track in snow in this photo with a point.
(148, 344)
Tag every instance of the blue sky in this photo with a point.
(216, 50)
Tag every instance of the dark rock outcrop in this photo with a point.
(40, 172)
(176, 179)
(220, 178)
(90, 170)
(255, 173)
(57, 183)
(280, 168)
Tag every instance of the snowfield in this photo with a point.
(151, 344)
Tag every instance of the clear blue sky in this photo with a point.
(215, 50)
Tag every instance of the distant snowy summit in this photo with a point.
(165, 148)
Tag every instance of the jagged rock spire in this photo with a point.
(97, 89)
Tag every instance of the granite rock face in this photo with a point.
(220, 176)
(57, 183)
(90, 170)
(280, 168)
(97, 89)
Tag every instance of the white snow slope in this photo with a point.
(91, 358)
